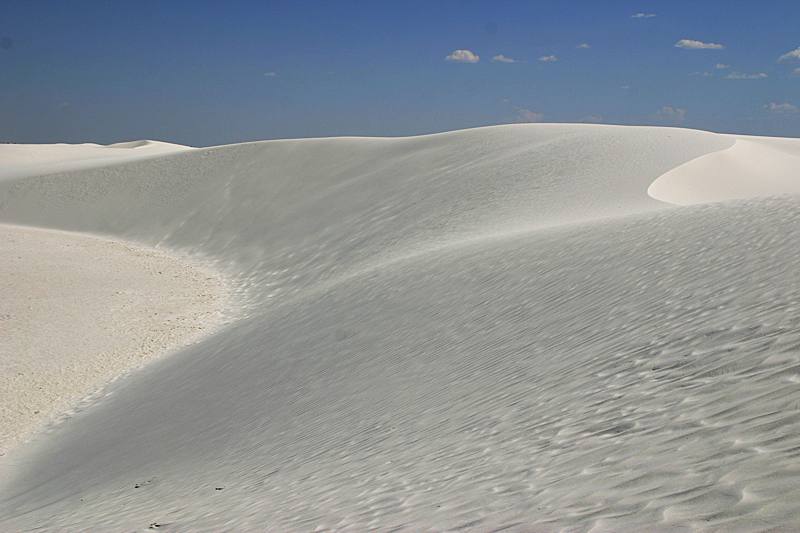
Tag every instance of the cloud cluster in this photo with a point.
(462, 56)
(670, 114)
(529, 116)
(643, 15)
(795, 73)
(792, 57)
(525, 116)
(689, 44)
(548, 58)
(783, 109)
(739, 76)
(503, 59)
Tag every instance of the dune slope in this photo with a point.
(25, 160)
(493, 329)
(77, 311)
(752, 167)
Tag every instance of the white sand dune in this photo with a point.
(752, 167)
(77, 311)
(485, 330)
(24, 160)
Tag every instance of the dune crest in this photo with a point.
(27, 160)
(132, 144)
(752, 167)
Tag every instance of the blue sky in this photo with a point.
(206, 73)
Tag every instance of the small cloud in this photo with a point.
(643, 15)
(782, 109)
(671, 115)
(792, 57)
(504, 100)
(270, 74)
(625, 87)
(688, 44)
(525, 116)
(584, 45)
(720, 65)
(529, 116)
(64, 104)
(698, 73)
(795, 73)
(548, 58)
(738, 76)
(462, 56)
(504, 59)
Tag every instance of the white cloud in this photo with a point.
(462, 56)
(529, 116)
(525, 116)
(739, 76)
(784, 109)
(795, 73)
(793, 56)
(270, 74)
(625, 87)
(720, 65)
(643, 15)
(670, 114)
(548, 58)
(688, 44)
(584, 45)
(504, 59)
(698, 73)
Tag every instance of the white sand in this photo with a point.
(753, 167)
(493, 329)
(25, 160)
(77, 311)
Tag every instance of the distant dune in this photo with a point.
(752, 167)
(25, 160)
(494, 329)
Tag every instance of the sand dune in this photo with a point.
(24, 160)
(752, 167)
(483, 330)
(77, 311)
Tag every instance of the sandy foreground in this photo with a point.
(77, 311)
(484, 330)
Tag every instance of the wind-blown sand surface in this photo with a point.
(25, 160)
(77, 311)
(483, 330)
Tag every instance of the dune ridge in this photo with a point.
(491, 329)
(752, 167)
(26, 160)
